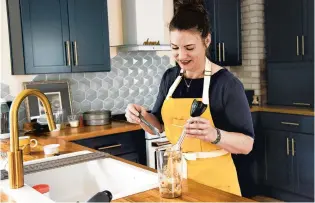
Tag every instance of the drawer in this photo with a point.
(288, 122)
(116, 144)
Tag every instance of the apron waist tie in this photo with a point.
(193, 156)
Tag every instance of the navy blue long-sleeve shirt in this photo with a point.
(228, 103)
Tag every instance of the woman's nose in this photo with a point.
(182, 54)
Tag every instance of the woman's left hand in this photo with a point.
(200, 128)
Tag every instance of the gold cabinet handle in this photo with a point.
(288, 152)
(75, 48)
(109, 147)
(293, 150)
(223, 51)
(297, 46)
(301, 104)
(219, 52)
(302, 45)
(68, 53)
(289, 123)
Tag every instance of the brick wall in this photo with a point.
(252, 71)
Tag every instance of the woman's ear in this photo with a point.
(208, 40)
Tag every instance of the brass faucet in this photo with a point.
(15, 155)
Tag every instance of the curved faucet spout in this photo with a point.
(16, 174)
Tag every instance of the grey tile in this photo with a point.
(97, 104)
(128, 81)
(96, 84)
(153, 90)
(156, 81)
(117, 61)
(90, 95)
(161, 70)
(102, 94)
(90, 76)
(85, 106)
(118, 82)
(148, 100)
(123, 54)
(134, 91)
(107, 83)
(74, 85)
(147, 61)
(84, 84)
(4, 94)
(152, 70)
(112, 74)
(165, 60)
(113, 93)
(108, 104)
(78, 95)
(101, 75)
(138, 81)
(76, 107)
(142, 71)
(133, 72)
(142, 53)
(118, 103)
(65, 76)
(144, 90)
(148, 80)
(137, 61)
(122, 72)
(128, 61)
(78, 76)
(139, 101)
(156, 60)
(123, 93)
(132, 53)
(52, 77)
(41, 77)
(128, 100)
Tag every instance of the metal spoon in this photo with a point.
(154, 129)
(197, 108)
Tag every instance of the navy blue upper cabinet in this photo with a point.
(58, 36)
(225, 18)
(289, 36)
(89, 35)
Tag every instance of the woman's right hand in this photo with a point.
(132, 113)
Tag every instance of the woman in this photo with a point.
(224, 128)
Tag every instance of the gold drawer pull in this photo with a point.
(288, 152)
(301, 104)
(219, 52)
(293, 150)
(289, 123)
(302, 45)
(297, 46)
(109, 147)
(68, 53)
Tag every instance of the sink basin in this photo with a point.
(79, 182)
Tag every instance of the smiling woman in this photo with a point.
(226, 125)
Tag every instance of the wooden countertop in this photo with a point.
(71, 134)
(283, 109)
(192, 191)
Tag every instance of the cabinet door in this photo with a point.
(212, 13)
(131, 157)
(283, 30)
(304, 163)
(229, 32)
(308, 30)
(291, 84)
(45, 33)
(88, 22)
(279, 162)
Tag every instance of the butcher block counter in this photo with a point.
(192, 191)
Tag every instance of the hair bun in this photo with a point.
(190, 5)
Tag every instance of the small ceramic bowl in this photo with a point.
(51, 149)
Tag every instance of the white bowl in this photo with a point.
(51, 149)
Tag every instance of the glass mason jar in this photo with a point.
(169, 167)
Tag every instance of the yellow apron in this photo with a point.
(206, 163)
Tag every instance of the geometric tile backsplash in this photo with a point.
(134, 78)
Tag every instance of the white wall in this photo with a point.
(14, 82)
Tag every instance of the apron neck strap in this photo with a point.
(206, 82)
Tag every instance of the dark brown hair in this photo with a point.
(190, 15)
